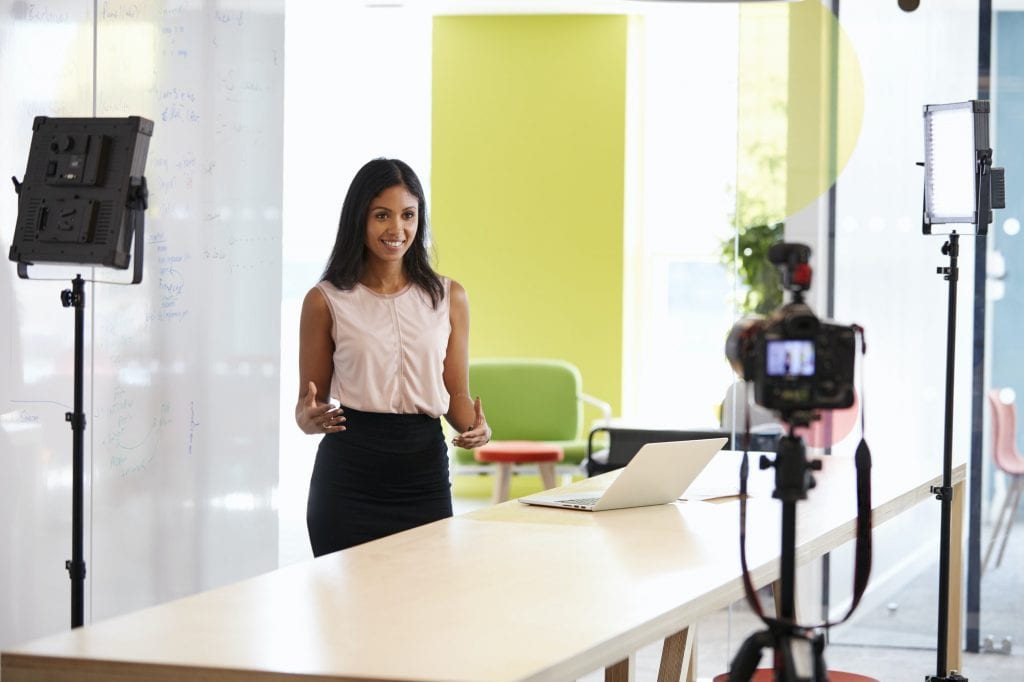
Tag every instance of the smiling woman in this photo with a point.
(352, 31)
(383, 353)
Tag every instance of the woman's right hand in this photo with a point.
(314, 416)
(478, 433)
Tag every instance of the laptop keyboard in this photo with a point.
(584, 501)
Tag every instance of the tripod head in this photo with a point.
(793, 477)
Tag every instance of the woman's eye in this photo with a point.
(380, 216)
(409, 215)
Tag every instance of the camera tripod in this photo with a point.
(799, 652)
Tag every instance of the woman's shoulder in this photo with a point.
(457, 297)
(317, 291)
(451, 286)
(325, 293)
(316, 302)
(447, 281)
(330, 290)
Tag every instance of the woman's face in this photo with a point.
(391, 224)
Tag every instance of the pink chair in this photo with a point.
(1009, 460)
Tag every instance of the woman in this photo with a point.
(388, 338)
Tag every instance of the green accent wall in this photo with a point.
(527, 185)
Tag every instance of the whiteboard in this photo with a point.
(182, 371)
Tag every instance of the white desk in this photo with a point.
(505, 593)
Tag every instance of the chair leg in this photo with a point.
(999, 524)
(547, 474)
(1018, 483)
(502, 482)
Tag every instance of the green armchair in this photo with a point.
(531, 399)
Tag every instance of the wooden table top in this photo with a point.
(509, 592)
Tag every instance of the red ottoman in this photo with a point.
(505, 453)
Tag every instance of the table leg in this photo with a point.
(621, 671)
(956, 561)
(677, 655)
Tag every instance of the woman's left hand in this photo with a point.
(476, 435)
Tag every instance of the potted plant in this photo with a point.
(749, 261)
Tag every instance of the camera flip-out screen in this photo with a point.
(75, 201)
(789, 358)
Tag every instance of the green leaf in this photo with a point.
(758, 276)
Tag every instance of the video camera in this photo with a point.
(797, 362)
(799, 365)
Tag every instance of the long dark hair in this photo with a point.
(347, 263)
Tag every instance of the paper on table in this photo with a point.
(698, 494)
(720, 479)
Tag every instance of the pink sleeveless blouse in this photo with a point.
(389, 349)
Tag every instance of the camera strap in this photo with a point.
(863, 547)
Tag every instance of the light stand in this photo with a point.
(961, 187)
(75, 298)
(82, 201)
(76, 565)
(944, 493)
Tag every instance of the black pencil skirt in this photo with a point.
(383, 474)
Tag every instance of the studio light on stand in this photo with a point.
(960, 189)
(82, 201)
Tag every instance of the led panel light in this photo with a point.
(950, 185)
(76, 203)
(959, 180)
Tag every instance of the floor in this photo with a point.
(895, 641)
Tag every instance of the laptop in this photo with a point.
(658, 474)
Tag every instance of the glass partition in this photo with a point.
(999, 546)
(180, 377)
(886, 280)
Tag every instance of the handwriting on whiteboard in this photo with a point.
(131, 441)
